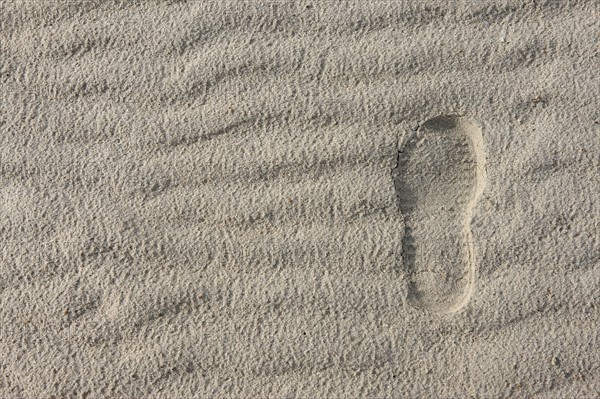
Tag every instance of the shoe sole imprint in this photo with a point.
(439, 179)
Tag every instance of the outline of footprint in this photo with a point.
(439, 178)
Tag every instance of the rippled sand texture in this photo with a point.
(198, 198)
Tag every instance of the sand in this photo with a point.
(299, 199)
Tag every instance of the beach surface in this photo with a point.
(286, 199)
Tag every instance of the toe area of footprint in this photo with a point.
(439, 178)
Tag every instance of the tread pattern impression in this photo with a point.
(440, 177)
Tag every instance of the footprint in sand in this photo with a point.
(440, 176)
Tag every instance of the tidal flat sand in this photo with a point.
(299, 199)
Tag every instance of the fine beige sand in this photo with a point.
(299, 199)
